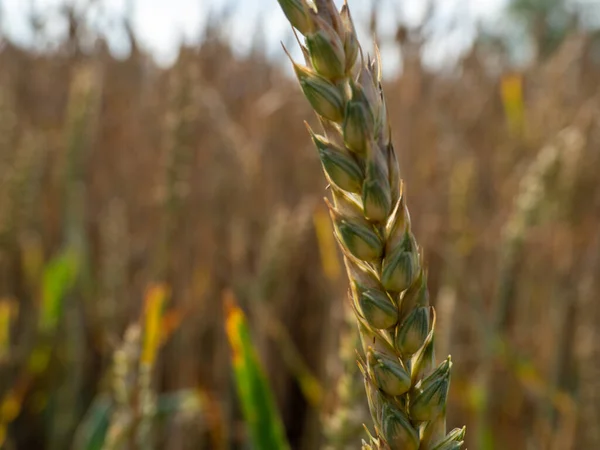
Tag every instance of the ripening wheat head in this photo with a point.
(406, 391)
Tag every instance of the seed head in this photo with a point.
(416, 295)
(433, 432)
(369, 91)
(388, 373)
(357, 237)
(362, 242)
(326, 51)
(356, 127)
(430, 402)
(372, 226)
(362, 277)
(452, 441)
(378, 309)
(400, 268)
(397, 429)
(441, 371)
(399, 223)
(411, 334)
(341, 168)
(376, 196)
(325, 98)
(351, 46)
(298, 12)
(424, 359)
(451, 445)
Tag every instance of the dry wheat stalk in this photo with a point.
(345, 424)
(124, 388)
(134, 397)
(406, 393)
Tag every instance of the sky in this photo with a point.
(161, 25)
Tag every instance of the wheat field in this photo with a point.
(137, 200)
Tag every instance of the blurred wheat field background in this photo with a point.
(137, 200)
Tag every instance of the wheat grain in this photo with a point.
(406, 393)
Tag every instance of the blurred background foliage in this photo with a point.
(135, 198)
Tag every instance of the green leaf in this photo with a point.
(59, 276)
(257, 400)
(91, 434)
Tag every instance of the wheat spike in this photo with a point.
(406, 392)
(124, 387)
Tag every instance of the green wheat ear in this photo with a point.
(406, 392)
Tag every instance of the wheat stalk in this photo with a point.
(345, 424)
(406, 393)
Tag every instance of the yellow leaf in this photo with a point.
(234, 319)
(512, 99)
(327, 245)
(8, 310)
(155, 299)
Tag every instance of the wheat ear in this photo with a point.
(406, 392)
